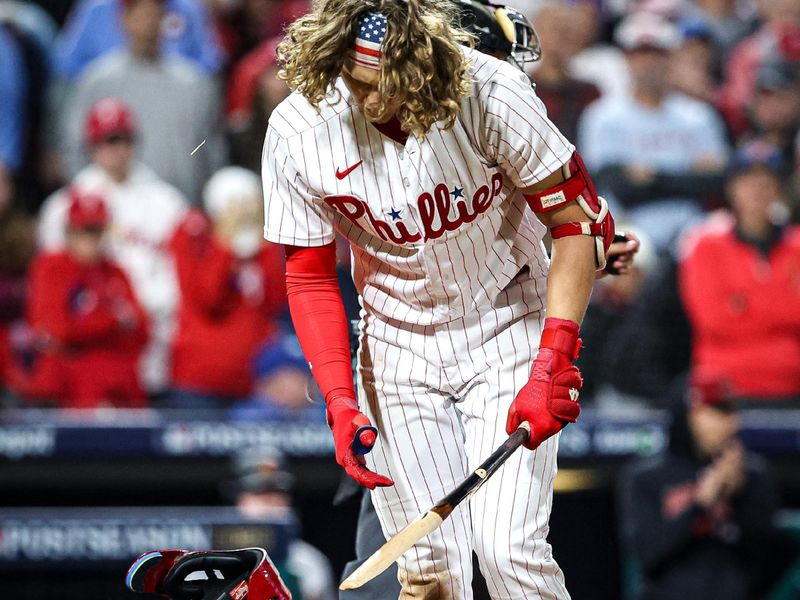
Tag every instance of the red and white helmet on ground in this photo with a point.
(245, 574)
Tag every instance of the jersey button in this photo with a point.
(406, 182)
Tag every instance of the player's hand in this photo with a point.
(621, 254)
(550, 398)
(722, 478)
(345, 420)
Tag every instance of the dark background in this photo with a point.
(582, 526)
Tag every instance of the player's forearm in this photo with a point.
(321, 326)
(318, 315)
(571, 277)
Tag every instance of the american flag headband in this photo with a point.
(369, 40)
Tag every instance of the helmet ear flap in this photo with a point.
(521, 35)
(501, 14)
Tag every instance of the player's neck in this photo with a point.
(392, 129)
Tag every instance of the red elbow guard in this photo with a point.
(577, 187)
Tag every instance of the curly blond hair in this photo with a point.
(422, 62)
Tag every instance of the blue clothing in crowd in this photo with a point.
(258, 409)
(13, 89)
(670, 138)
(673, 138)
(94, 28)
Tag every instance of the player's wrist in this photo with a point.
(341, 406)
(561, 336)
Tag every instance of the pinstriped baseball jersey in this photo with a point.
(437, 226)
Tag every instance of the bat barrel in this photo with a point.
(428, 522)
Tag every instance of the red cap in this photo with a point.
(86, 210)
(108, 117)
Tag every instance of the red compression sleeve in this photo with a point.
(319, 318)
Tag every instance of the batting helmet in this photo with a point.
(500, 30)
(246, 574)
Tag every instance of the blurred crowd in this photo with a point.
(132, 268)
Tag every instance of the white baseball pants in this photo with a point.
(439, 396)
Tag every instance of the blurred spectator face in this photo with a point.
(776, 109)
(690, 68)
(286, 387)
(751, 195)
(282, 376)
(114, 155)
(648, 68)
(713, 428)
(779, 11)
(86, 244)
(260, 506)
(648, 39)
(142, 22)
(232, 198)
(717, 7)
(555, 26)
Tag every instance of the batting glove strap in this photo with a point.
(561, 335)
(340, 405)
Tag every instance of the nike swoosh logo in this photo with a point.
(347, 171)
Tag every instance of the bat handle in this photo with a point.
(359, 446)
(520, 436)
(620, 236)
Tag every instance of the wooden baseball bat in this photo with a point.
(430, 521)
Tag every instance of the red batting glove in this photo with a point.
(345, 419)
(550, 398)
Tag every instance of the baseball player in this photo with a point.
(505, 33)
(440, 167)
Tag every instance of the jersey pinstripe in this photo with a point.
(437, 226)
